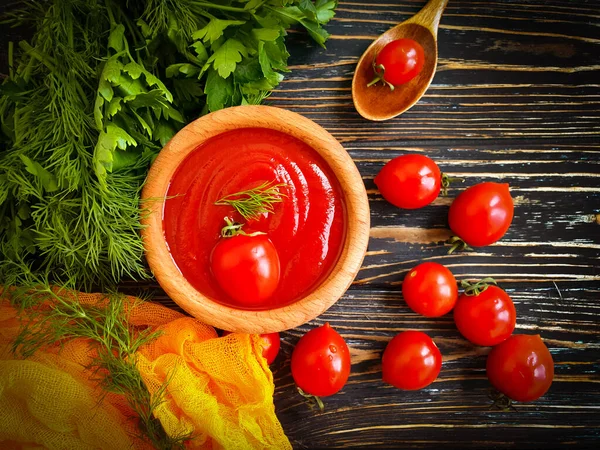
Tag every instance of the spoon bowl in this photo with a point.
(379, 102)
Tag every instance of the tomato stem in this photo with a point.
(379, 70)
(501, 401)
(232, 229)
(312, 398)
(477, 287)
(457, 245)
(446, 181)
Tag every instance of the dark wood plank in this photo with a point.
(516, 98)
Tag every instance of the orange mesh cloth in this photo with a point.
(219, 389)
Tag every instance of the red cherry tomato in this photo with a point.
(410, 181)
(247, 268)
(411, 361)
(521, 367)
(321, 362)
(487, 318)
(481, 214)
(271, 344)
(430, 289)
(399, 61)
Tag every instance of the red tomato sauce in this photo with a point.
(307, 228)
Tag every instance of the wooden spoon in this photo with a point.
(378, 102)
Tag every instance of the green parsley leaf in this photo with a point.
(187, 69)
(215, 29)
(110, 139)
(325, 10)
(200, 50)
(116, 39)
(47, 179)
(273, 77)
(113, 107)
(266, 34)
(253, 4)
(225, 59)
(134, 70)
(309, 9)
(219, 91)
(163, 133)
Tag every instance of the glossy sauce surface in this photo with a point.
(307, 228)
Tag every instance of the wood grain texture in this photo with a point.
(516, 97)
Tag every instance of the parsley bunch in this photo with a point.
(93, 96)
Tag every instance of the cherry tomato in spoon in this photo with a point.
(398, 62)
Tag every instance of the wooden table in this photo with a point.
(515, 99)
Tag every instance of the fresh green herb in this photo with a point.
(56, 315)
(254, 202)
(91, 99)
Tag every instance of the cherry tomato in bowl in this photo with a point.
(482, 214)
(430, 289)
(271, 343)
(521, 367)
(485, 317)
(321, 362)
(411, 361)
(398, 62)
(410, 181)
(246, 267)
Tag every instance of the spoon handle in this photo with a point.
(430, 15)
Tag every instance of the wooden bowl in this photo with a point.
(255, 321)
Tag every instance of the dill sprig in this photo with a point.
(256, 201)
(55, 315)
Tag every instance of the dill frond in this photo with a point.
(54, 315)
(254, 202)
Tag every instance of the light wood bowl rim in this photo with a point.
(250, 321)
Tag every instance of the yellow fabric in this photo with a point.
(219, 389)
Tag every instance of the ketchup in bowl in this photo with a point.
(307, 227)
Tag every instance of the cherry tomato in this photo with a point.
(399, 61)
(321, 362)
(481, 214)
(411, 361)
(410, 181)
(521, 367)
(247, 268)
(487, 318)
(430, 289)
(271, 344)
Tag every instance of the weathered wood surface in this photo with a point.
(516, 98)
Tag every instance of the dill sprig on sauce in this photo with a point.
(256, 201)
